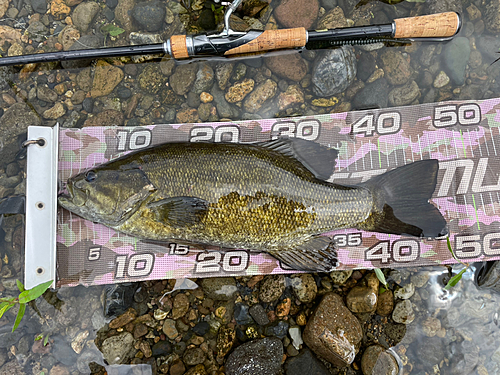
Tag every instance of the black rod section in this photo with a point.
(145, 49)
(333, 36)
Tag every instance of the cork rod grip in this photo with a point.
(435, 25)
(272, 40)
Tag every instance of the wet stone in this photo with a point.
(292, 67)
(385, 303)
(334, 71)
(84, 14)
(261, 357)
(204, 79)
(396, 67)
(241, 314)
(403, 312)
(258, 313)
(181, 306)
(456, 55)
(305, 363)
(431, 326)
(271, 288)
(260, 95)
(361, 299)
(405, 292)
(376, 360)
(305, 287)
(297, 13)
(149, 15)
(223, 72)
(340, 277)
(219, 288)
(194, 356)
(151, 79)
(46, 94)
(373, 95)
(106, 78)
(331, 324)
(420, 279)
(183, 78)
(404, 95)
(161, 348)
(279, 329)
(441, 80)
(431, 351)
(170, 329)
(291, 96)
(197, 370)
(201, 328)
(115, 349)
(177, 368)
(240, 90)
(140, 330)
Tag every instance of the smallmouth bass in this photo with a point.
(270, 197)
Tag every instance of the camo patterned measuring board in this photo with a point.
(463, 136)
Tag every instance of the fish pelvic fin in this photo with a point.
(317, 254)
(401, 201)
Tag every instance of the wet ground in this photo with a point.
(209, 326)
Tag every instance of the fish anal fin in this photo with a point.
(317, 254)
(318, 159)
(179, 211)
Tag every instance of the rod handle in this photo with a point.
(439, 25)
(273, 40)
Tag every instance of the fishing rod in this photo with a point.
(229, 43)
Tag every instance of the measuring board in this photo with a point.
(463, 136)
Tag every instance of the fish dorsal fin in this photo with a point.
(318, 159)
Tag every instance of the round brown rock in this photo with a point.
(271, 288)
(362, 299)
(297, 13)
(377, 361)
(385, 303)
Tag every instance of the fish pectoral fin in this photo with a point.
(318, 159)
(318, 254)
(179, 211)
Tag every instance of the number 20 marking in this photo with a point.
(231, 261)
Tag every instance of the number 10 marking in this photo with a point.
(138, 265)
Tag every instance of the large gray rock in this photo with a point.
(219, 288)
(261, 357)
(334, 71)
(456, 56)
(84, 15)
(117, 349)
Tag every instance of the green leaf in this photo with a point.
(4, 307)
(46, 339)
(20, 314)
(112, 30)
(39, 337)
(450, 249)
(381, 290)
(381, 277)
(20, 286)
(455, 279)
(32, 294)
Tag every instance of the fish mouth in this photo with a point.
(72, 197)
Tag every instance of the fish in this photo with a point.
(269, 197)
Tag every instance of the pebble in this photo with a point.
(201, 328)
(258, 313)
(288, 66)
(420, 279)
(183, 78)
(340, 277)
(261, 357)
(258, 97)
(223, 71)
(271, 288)
(297, 13)
(305, 287)
(181, 306)
(55, 112)
(194, 356)
(206, 97)
(305, 363)
(106, 78)
(403, 312)
(291, 96)
(361, 299)
(441, 80)
(385, 303)
(373, 95)
(149, 15)
(456, 55)
(46, 94)
(296, 337)
(39, 6)
(405, 292)
(397, 70)
(151, 79)
(239, 90)
(161, 348)
(123, 319)
(279, 329)
(219, 288)
(116, 349)
(334, 71)
(84, 14)
(241, 314)
(204, 79)
(332, 323)
(376, 360)
(431, 326)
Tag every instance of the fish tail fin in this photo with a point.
(401, 201)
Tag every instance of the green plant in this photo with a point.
(44, 336)
(455, 279)
(112, 30)
(381, 278)
(218, 13)
(24, 297)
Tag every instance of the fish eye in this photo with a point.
(90, 176)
